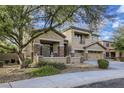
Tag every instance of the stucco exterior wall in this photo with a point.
(95, 47)
(68, 35)
(73, 60)
(75, 42)
(50, 36)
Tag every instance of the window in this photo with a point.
(107, 54)
(51, 49)
(81, 38)
(94, 38)
(107, 44)
(41, 50)
(120, 54)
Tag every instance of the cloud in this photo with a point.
(121, 9)
(116, 24)
(106, 35)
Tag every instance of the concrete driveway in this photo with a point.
(71, 79)
(113, 64)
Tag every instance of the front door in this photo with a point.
(112, 54)
(46, 50)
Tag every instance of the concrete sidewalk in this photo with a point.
(69, 79)
(66, 80)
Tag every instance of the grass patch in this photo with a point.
(45, 71)
(60, 66)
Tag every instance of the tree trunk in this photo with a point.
(21, 59)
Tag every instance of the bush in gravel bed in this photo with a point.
(27, 62)
(60, 66)
(1, 64)
(121, 59)
(102, 63)
(45, 71)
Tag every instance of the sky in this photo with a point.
(109, 26)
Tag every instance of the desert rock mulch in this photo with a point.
(13, 73)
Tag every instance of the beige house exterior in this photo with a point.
(110, 51)
(83, 43)
(74, 42)
(49, 44)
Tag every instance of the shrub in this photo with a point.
(27, 62)
(6, 61)
(45, 71)
(102, 63)
(121, 59)
(60, 66)
(1, 64)
(41, 63)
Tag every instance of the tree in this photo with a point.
(20, 25)
(119, 39)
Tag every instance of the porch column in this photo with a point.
(37, 48)
(86, 54)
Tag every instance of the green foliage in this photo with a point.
(45, 71)
(27, 62)
(119, 39)
(1, 64)
(60, 66)
(102, 63)
(18, 23)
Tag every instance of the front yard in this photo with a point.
(11, 73)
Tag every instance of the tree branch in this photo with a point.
(6, 47)
(45, 30)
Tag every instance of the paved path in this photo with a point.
(71, 79)
(114, 83)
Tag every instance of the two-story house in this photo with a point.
(84, 43)
(73, 41)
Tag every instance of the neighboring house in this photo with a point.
(83, 43)
(111, 52)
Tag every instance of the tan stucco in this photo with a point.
(96, 47)
(110, 49)
(78, 49)
(50, 36)
(74, 42)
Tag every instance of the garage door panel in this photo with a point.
(95, 55)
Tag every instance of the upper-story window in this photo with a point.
(80, 37)
(94, 38)
(107, 44)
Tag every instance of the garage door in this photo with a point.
(95, 55)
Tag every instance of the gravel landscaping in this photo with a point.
(115, 83)
(11, 73)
